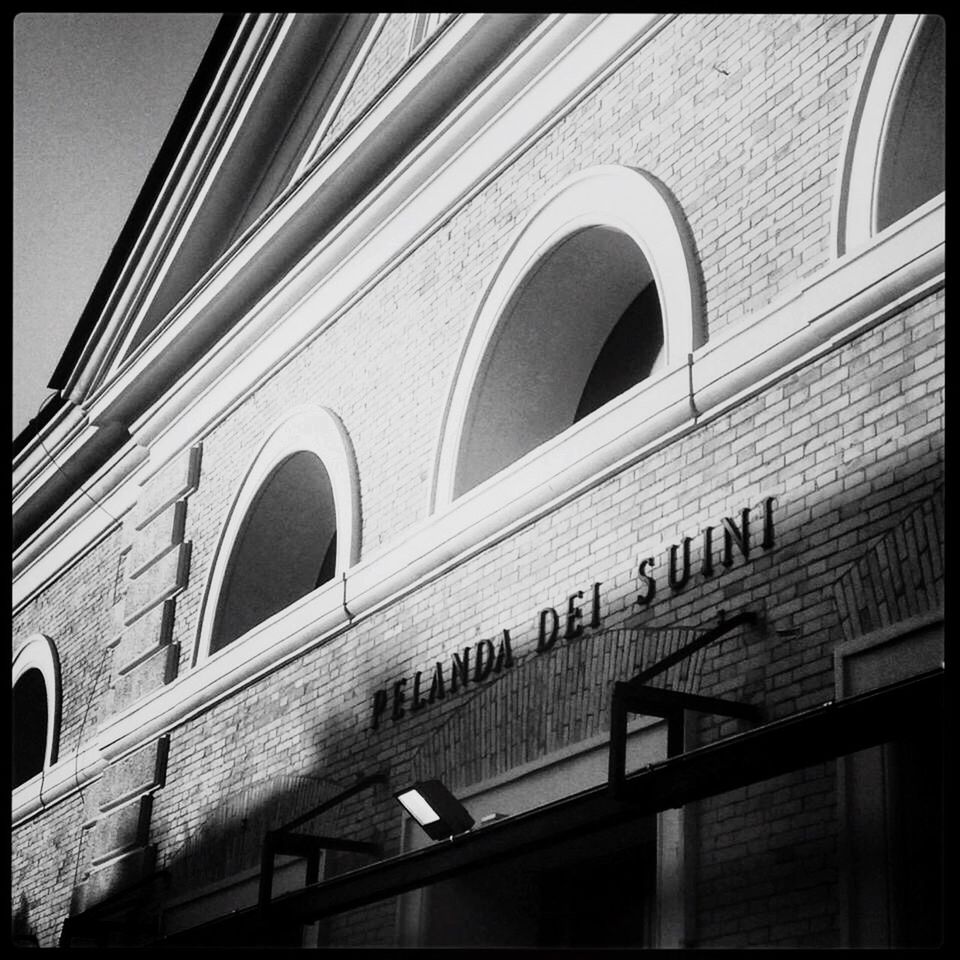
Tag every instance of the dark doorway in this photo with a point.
(916, 804)
(592, 891)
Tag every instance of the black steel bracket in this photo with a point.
(636, 697)
(283, 841)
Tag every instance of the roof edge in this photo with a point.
(176, 137)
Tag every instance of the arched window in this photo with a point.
(911, 163)
(598, 293)
(894, 161)
(287, 547)
(294, 526)
(35, 717)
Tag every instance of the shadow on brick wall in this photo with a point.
(251, 802)
(22, 932)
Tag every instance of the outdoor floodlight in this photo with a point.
(435, 808)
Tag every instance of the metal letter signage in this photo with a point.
(736, 540)
(488, 661)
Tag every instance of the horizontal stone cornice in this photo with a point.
(57, 782)
(78, 524)
(59, 439)
(197, 161)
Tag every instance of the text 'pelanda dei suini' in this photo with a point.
(715, 549)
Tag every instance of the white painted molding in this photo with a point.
(630, 201)
(863, 287)
(25, 800)
(199, 158)
(842, 300)
(277, 233)
(261, 51)
(305, 428)
(82, 521)
(57, 440)
(422, 27)
(310, 154)
(63, 779)
(855, 205)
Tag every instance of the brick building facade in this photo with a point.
(451, 372)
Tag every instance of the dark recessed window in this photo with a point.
(585, 326)
(29, 723)
(912, 163)
(287, 547)
(628, 355)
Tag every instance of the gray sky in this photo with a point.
(94, 96)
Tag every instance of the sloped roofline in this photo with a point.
(160, 169)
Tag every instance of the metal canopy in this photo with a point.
(810, 737)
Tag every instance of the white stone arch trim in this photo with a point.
(891, 46)
(306, 428)
(622, 198)
(40, 653)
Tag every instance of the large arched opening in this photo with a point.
(294, 526)
(585, 326)
(597, 294)
(286, 549)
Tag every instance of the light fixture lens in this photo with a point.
(436, 809)
(418, 808)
